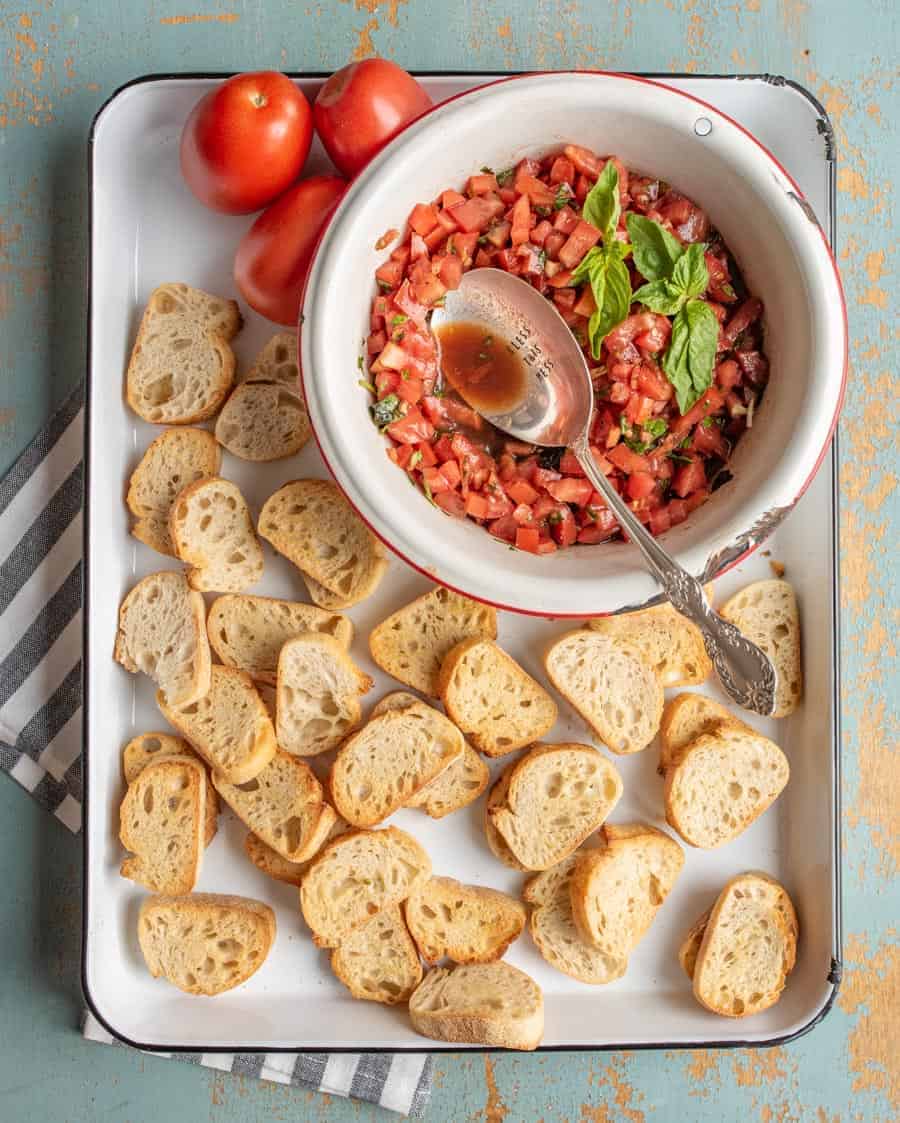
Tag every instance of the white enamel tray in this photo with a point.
(146, 228)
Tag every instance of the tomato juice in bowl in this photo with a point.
(748, 199)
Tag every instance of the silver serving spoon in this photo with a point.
(556, 409)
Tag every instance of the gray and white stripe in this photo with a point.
(41, 726)
(399, 1082)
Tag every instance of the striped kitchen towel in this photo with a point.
(40, 724)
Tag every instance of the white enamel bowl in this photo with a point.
(765, 222)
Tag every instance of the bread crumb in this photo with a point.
(777, 568)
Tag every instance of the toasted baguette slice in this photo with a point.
(229, 727)
(557, 795)
(283, 805)
(325, 598)
(668, 641)
(617, 891)
(458, 785)
(272, 863)
(479, 1003)
(318, 693)
(611, 685)
(263, 421)
(412, 642)
(276, 362)
(690, 945)
(216, 313)
(466, 923)
(212, 531)
(766, 612)
(313, 525)
(378, 961)
(162, 821)
(162, 632)
(173, 460)
(748, 949)
(355, 877)
(683, 721)
(392, 758)
(249, 632)
(179, 372)
(493, 701)
(495, 840)
(149, 747)
(205, 943)
(555, 935)
(723, 782)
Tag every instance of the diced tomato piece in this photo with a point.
(435, 480)
(564, 298)
(754, 366)
(688, 478)
(386, 382)
(553, 243)
(639, 409)
(561, 280)
(498, 234)
(652, 383)
(436, 239)
(389, 273)
(678, 511)
(427, 454)
(423, 218)
(562, 170)
(446, 221)
(563, 527)
(507, 195)
(728, 375)
(569, 465)
(541, 477)
(451, 199)
(571, 490)
(527, 538)
(537, 191)
(660, 520)
(626, 460)
(504, 528)
(586, 305)
(710, 402)
(401, 454)
(580, 240)
(476, 505)
(417, 247)
(540, 231)
(451, 502)
(405, 302)
(640, 485)
(475, 214)
(442, 448)
(394, 357)
(521, 221)
(523, 514)
(482, 184)
(566, 220)
(451, 473)
(409, 389)
(697, 499)
(375, 343)
(532, 259)
(745, 315)
(583, 160)
(451, 271)
(590, 535)
(411, 428)
(521, 491)
(709, 441)
(429, 289)
(546, 546)
(463, 246)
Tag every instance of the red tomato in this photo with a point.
(274, 255)
(246, 141)
(363, 106)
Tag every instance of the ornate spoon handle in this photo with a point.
(745, 671)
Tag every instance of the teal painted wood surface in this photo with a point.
(58, 61)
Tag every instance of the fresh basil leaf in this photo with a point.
(613, 304)
(690, 277)
(655, 250)
(386, 411)
(704, 339)
(591, 260)
(656, 426)
(602, 207)
(659, 296)
(618, 249)
(676, 364)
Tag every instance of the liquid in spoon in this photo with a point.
(481, 367)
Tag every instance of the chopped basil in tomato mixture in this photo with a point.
(654, 298)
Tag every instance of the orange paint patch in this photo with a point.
(24, 20)
(877, 802)
(612, 1081)
(200, 17)
(852, 183)
(871, 988)
(504, 30)
(875, 266)
(364, 44)
(875, 296)
(758, 1068)
(495, 1110)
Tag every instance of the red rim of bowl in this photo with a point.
(801, 198)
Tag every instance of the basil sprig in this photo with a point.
(676, 277)
(604, 266)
